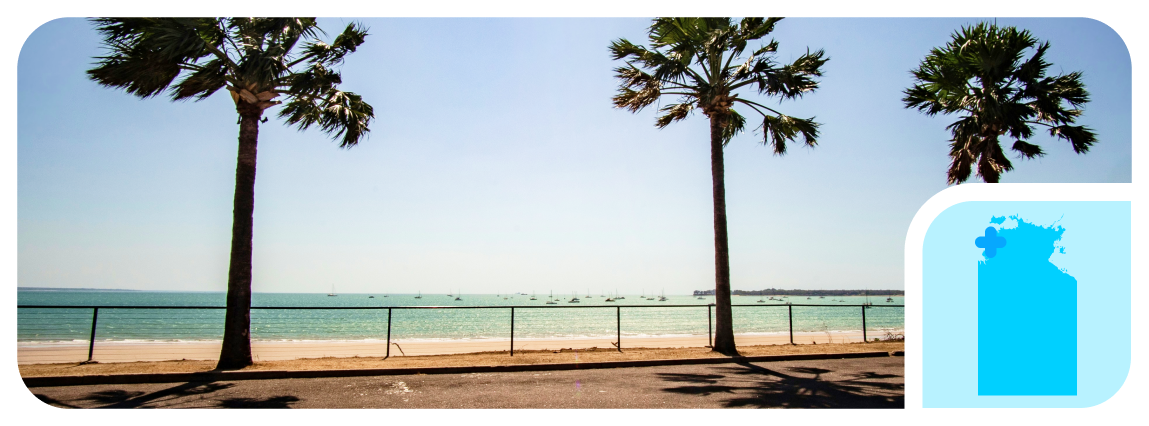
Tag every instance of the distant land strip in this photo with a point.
(780, 292)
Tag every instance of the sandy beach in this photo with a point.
(106, 352)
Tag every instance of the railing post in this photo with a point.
(791, 309)
(710, 325)
(864, 340)
(618, 323)
(512, 331)
(92, 339)
(388, 334)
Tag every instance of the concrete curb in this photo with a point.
(216, 376)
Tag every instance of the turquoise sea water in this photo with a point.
(653, 318)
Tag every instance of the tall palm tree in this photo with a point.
(257, 60)
(699, 61)
(982, 74)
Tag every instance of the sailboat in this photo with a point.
(533, 296)
(460, 296)
(420, 296)
(616, 296)
(332, 293)
(662, 298)
(574, 298)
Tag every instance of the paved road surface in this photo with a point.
(845, 383)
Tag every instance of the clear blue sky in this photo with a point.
(496, 164)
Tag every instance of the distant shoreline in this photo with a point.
(70, 289)
(769, 292)
(779, 292)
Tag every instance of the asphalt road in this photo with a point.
(842, 383)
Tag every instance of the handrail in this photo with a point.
(618, 314)
(424, 307)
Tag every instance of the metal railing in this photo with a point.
(390, 309)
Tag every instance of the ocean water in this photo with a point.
(651, 317)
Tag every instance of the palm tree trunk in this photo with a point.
(236, 352)
(724, 326)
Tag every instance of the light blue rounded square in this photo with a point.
(1095, 249)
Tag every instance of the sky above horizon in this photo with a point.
(497, 164)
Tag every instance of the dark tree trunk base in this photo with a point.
(731, 351)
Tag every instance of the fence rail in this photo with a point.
(390, 309)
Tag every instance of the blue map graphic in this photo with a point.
(1027, 313)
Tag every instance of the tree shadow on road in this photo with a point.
(691, 378)
(759, 387)
(175, 396)
(284, 401)
(53, 402)
(120, 399)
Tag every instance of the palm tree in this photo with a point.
(699, 60)
(981, 74)
(257, 60)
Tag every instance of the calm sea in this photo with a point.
(56, 326)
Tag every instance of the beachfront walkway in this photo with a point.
(840, 383)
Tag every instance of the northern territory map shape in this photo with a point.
(1027, 314)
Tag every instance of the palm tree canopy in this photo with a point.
(983, 74)
(255, 59)
(700, 60)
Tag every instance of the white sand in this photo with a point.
(272, 351)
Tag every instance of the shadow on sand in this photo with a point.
(750, 385)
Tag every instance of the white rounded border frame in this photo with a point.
(1125, 401)
(912, 413)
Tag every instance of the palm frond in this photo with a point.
(147, 54)
(962, 158)
(992, 162)
(343, 115)
(257, 59)
(674, 112)
(995, 78)
(139, 72)
(313, 82)
(733, 124)
(1080, 137)
(1027, 150)
(202, 83)
(794, 80)
(777, 130)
